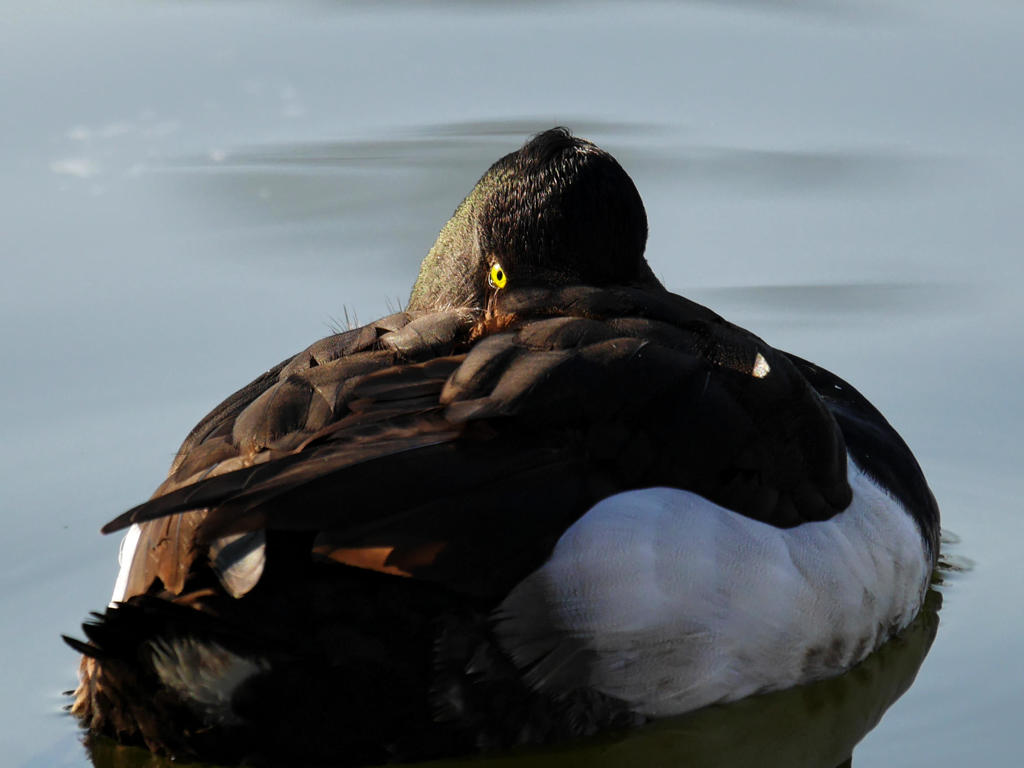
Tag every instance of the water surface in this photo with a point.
(193, 192)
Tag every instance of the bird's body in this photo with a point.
(549, 497)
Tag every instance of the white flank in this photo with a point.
(669, 602)
(125, 555)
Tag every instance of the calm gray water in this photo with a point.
(193, 191)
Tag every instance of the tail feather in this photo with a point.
(120, 691)
(357, 668)
(86, 649)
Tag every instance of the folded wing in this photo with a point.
(456, 450)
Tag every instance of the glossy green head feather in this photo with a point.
(558, 211)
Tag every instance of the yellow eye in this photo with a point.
(497, 278)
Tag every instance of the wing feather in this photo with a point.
(422, 434)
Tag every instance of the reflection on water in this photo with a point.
(432, 144)
(889, 299)
(952, 563)
(775, 172)
(813, 726)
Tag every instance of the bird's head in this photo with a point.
(558, 211)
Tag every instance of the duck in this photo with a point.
(547, 499)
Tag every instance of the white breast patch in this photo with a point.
(669, 602)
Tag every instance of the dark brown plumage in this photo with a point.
(353, 515)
